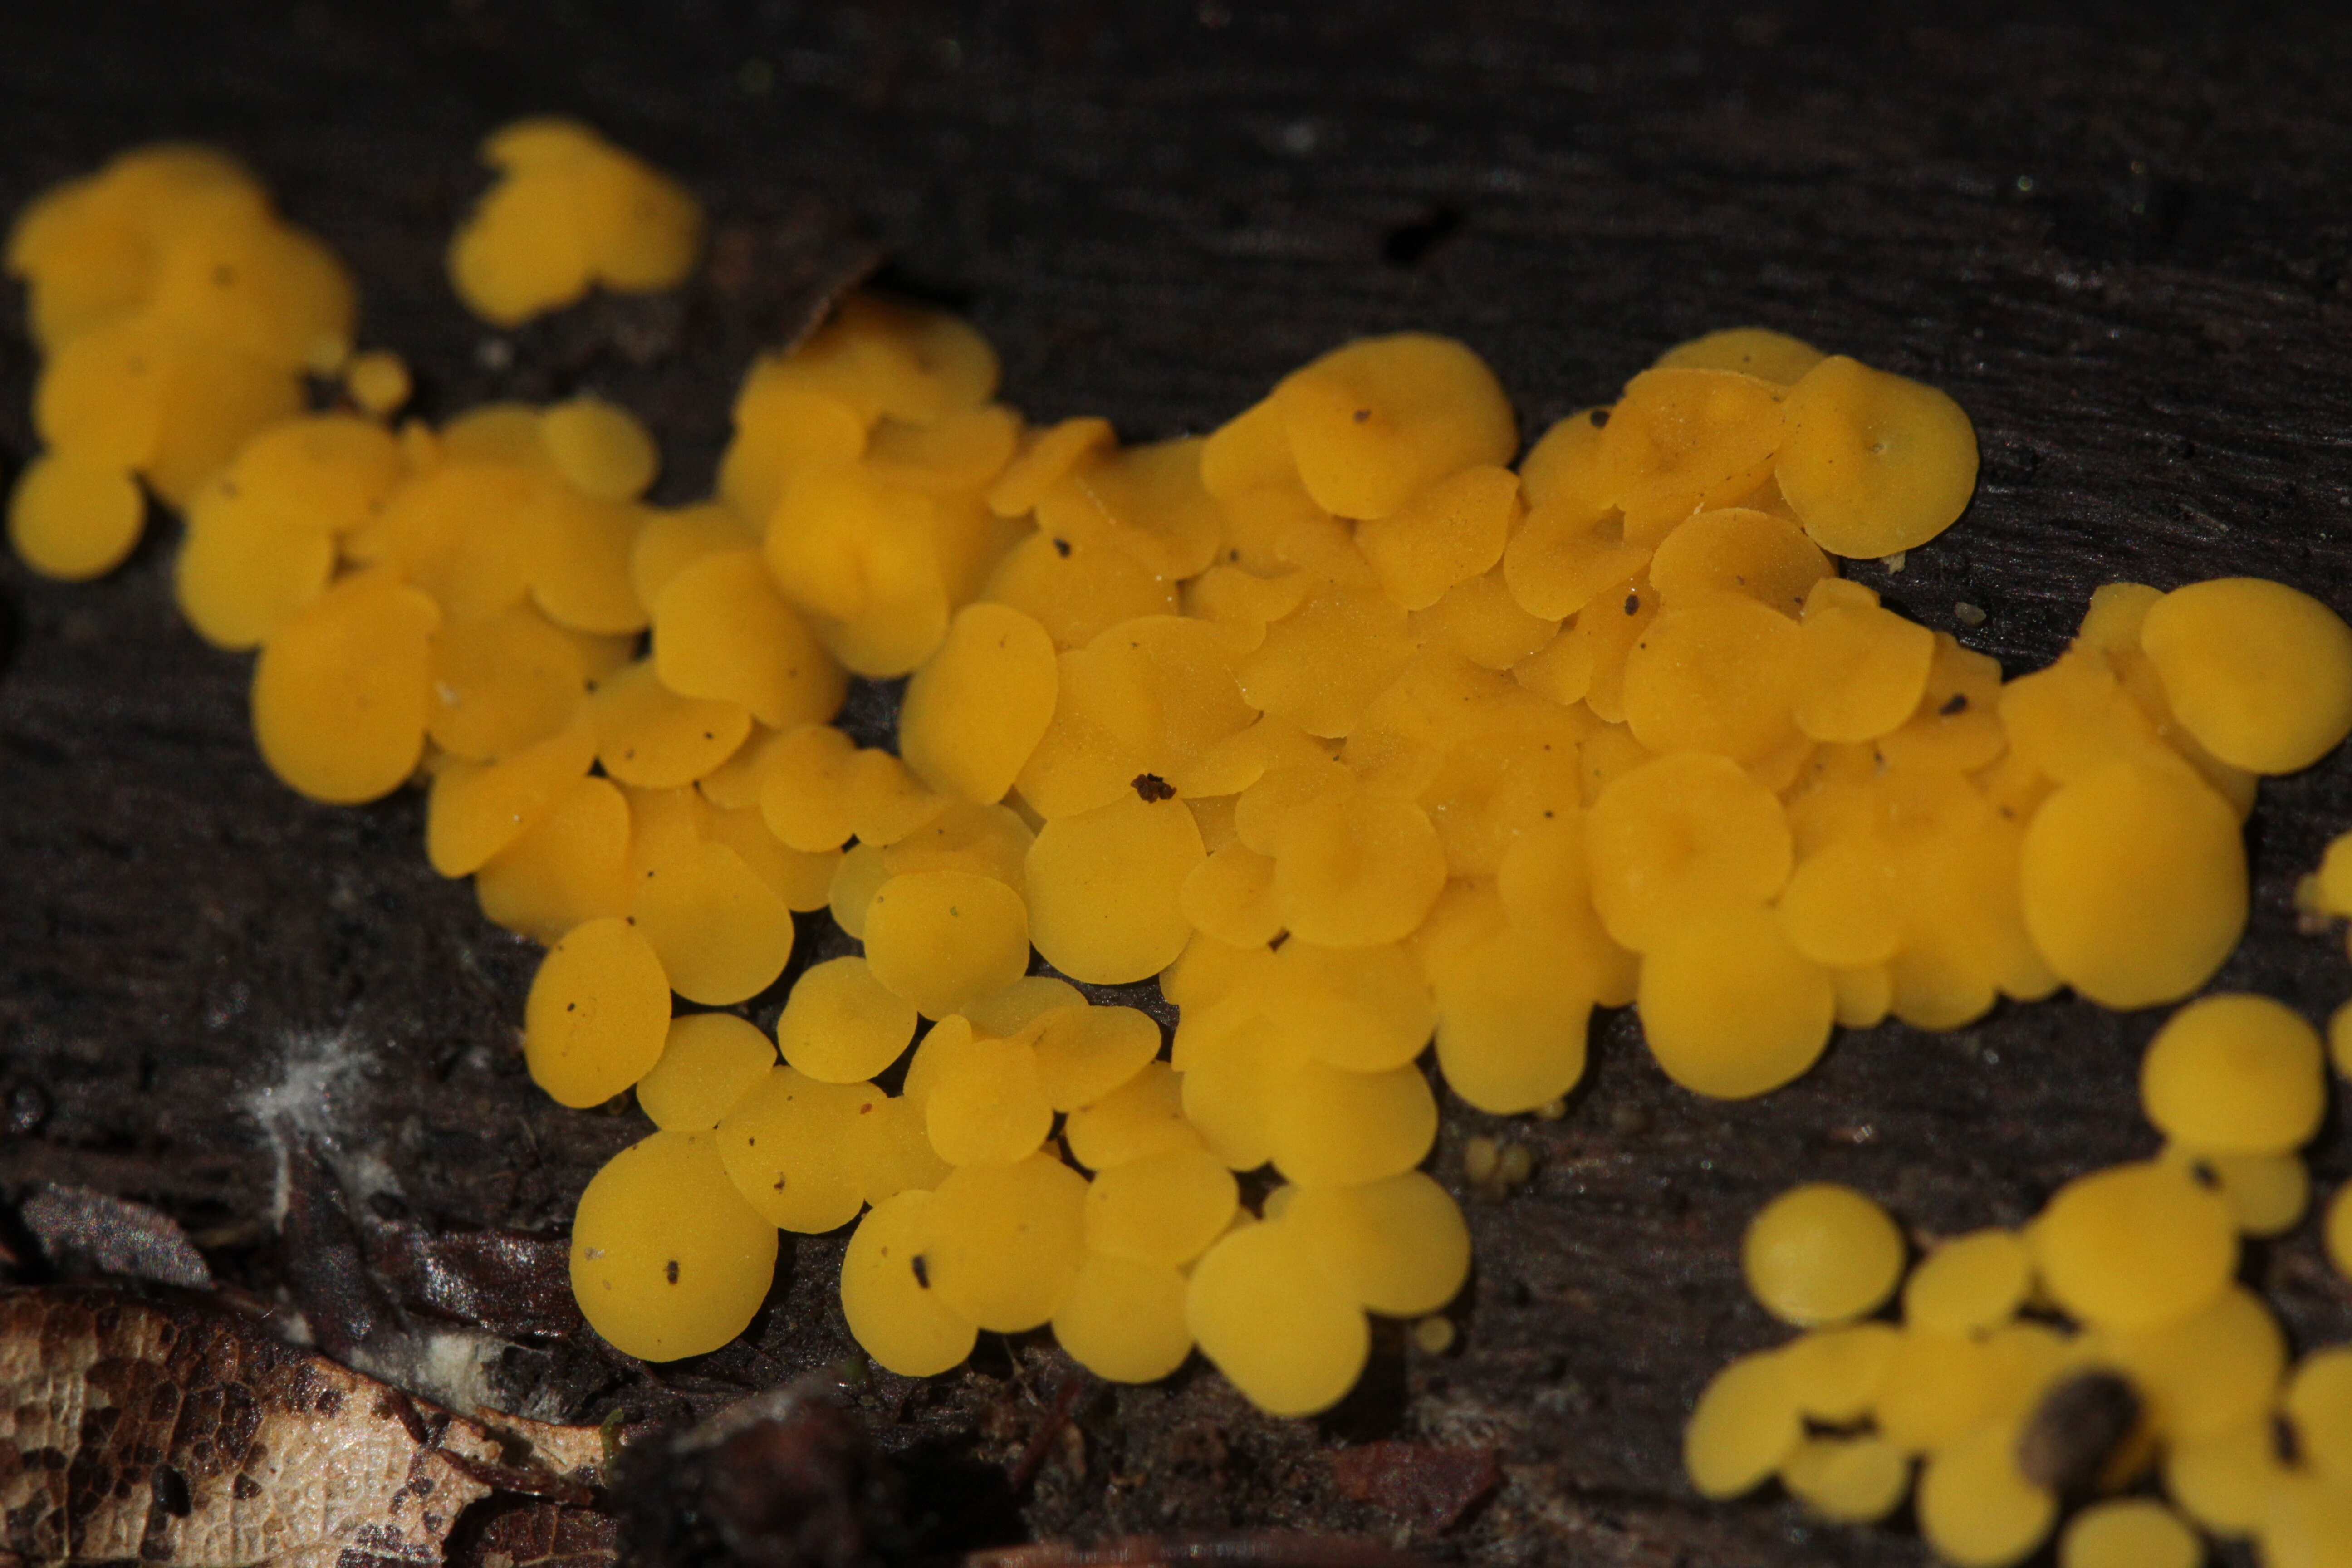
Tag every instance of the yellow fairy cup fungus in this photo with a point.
(1350, 734)
(2260, 673)
(886, 1295)
(1745, 1427)
(1822, 1254)
(710, 1063)
(2135, 1247)
(2235, 1075)
(2132, 881)
(177, 314)
(1871, 463)
(598, 1014)
(2128, 1533)
(569, 210)
(666, 1259)
(1274, 1321)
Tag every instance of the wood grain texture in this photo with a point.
(2120, 241)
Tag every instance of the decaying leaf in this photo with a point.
(167, 1431)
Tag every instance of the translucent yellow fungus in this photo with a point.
(1397, 1246)
(666, 1259)
(722, 934)
(600, 449)
(2235, 1075)
(793, 1147)
(1166, 1208)
(1848, 1479)
(2135, 1247)
(598, 1014)
(1744, 1427)
(1348, 733)
(2259, 672)
(2128, 1533)
(1123, 1318)
(1372, 424)
(2198, 1377)
(978, 706)
(1730, 1008)
(1009, 1242)
(839, 1025)
(1680, 838)
(1969, 1284)
(943, 939)
(1838, 1373)
(569, 210)
(1086, 1054)
(1976, 1509)
(1682, 441)
(1822, 1254)
(711, 1062)
(1752, 350)
(2318, 1401)
(1873, 463)
(886, 1295)
(1275, 1322)
(73, 517)
(988, 1106)
(1105, 886)
(722, 632)
(2132, 882)
(339, 692)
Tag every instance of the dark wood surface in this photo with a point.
(2121, 243)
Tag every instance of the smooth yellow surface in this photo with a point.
(1822, 1254)
(1275, 1322)
(598, 1014)
(2235, 1074)
(666, 1260)
(1874, 463)
(710, 1063)
(2134, 1246)
(2259, 672)
(73, 518)
(886, 1293)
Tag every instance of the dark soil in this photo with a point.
(2120, 242)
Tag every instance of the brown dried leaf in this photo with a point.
(1431, 1487)
(85, 1232)
(172, 1432)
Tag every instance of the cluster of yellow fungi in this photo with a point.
(1347, 732)
(2119, 1298)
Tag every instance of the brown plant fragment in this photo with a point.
(1429, 1487)
(1246, 1549)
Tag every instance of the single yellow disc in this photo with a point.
(1730, 1008)
(722, 934)
(2134, 1246)
(73, 518)
(1373, 422)
(339, 692)
(721, 632)
(796, 1149)
(598, 1014)
(839, 1025)
(1976, 1509)
(600, 449)
(886, 1295)
(1123, 1319)
(1969, 1284)
(1848, 1479)
(1010, 1241)
(2318, 1401)
(2133, 883)
(978, 706)
(942, 940)
(1274, 1322)
(1164, 1209)
(2259, 672)
(1822, 1254)
(2128, 1533)
(1874, 463)
(711, 1062)
(2235, 1074)
(1105, 888)
(666, 1259)
(1744, 1427)
(1397, 1246)
(1679, 839)
(988, 1107)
